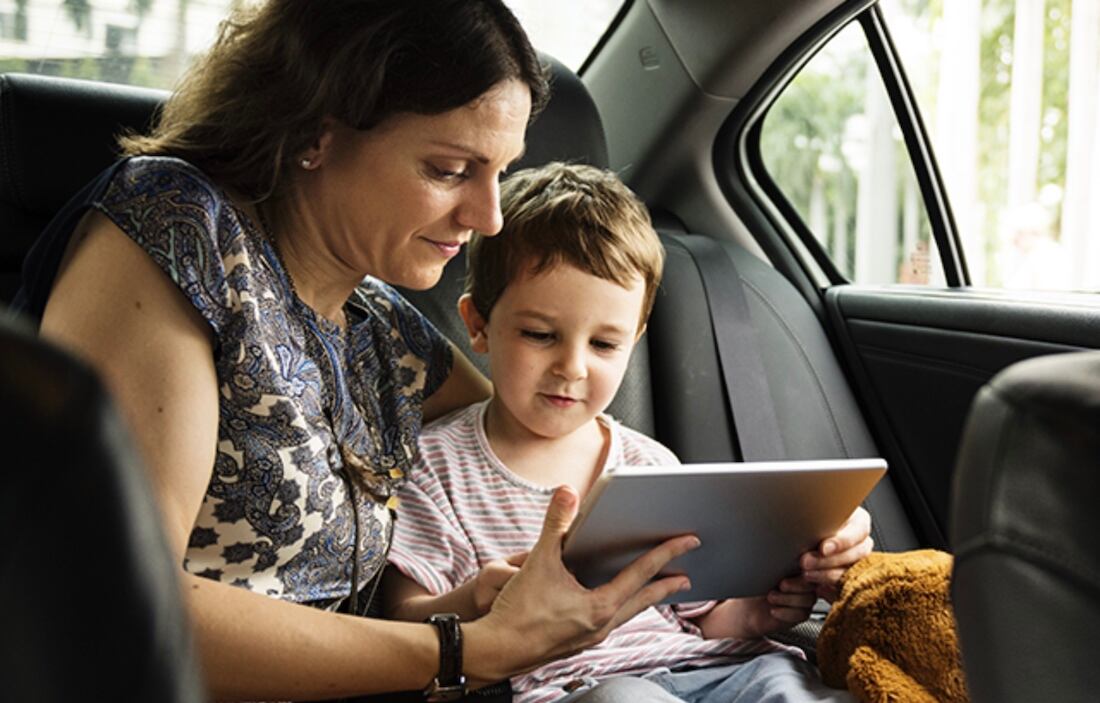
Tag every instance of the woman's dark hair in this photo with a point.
(257, 99)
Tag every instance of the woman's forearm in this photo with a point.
(252, 647)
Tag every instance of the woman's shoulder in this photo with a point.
(149, 193)
(164, 167)
(166, 177)
(188, 226)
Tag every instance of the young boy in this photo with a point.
(558, 300)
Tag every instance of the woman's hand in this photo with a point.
(749, 618)
(543, 613)
(825, 566)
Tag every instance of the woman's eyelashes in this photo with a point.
(448, 174)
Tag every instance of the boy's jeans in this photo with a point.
(769, 678)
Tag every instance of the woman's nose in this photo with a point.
(480, 209)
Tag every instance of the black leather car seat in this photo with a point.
(1026, 534)
(90, 597)
(56, 134)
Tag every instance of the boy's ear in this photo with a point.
(476, 325)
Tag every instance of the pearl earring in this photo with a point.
(306, 163)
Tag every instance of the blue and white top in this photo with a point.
(300, 399)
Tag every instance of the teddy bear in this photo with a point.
(891, 635)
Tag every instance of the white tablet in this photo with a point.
(754, 520)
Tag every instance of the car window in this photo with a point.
(832, 145)
(1009, 94)
(151, 42)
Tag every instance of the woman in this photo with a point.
(215, 280)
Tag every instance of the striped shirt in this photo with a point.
(462, 507)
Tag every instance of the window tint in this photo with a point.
(1009, 94)
(151, 42)
(832, 145)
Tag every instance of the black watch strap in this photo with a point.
(449, 684)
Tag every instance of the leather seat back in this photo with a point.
(56, 134)
(1026, 533)
(91, 600)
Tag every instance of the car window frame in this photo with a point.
(919, 145)
(777, 225)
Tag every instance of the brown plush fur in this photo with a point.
(890, 636)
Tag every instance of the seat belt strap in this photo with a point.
(747, 394)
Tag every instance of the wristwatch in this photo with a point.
(449, 684)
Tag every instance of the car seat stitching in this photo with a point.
(805, 360)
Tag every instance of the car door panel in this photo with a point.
(918, 359)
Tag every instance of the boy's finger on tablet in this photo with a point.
(792, 600)
(824, 576)
(856, 529)
(796, 584)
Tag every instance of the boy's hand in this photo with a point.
(491, 579)
(825, 566)
(749, 618)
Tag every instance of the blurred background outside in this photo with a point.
(1008, 90)
(1008, 93)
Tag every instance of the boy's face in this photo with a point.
(558, 346)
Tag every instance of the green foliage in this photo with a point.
(804, 132)
(1054, 133)
(15, 66)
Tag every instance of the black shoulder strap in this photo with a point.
(750, 401)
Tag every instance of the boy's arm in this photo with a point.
(405, 599)
(750, 618)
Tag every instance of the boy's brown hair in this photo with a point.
(566, 213)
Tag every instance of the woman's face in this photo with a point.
(399, 200)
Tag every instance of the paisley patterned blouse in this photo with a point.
(311, 418)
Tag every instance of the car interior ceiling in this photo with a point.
(669, 391)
